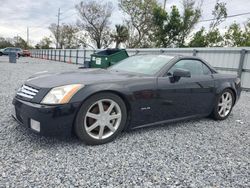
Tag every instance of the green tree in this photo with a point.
(234, 35)
(219, 14)
(237, 36)
(95, 21)
(207, 39)
(166, 27)
(190, 18)
(172, 29)
(246, 33)
(139, 16)
(45, 43)
(20, 42)
(68, 38)
(4, 42)
(199, 39)
(212, 37)
(65, 36)
(121, 35)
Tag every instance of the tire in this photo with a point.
(218, 112)
(100, 119)
(1, 53)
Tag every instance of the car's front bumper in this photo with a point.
(54, 120)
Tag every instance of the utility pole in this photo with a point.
(57, 30)
(164, 6)
(17, 40)
(27, 37)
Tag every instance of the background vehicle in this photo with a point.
(139, 91)
(26, 53)
(6, 51)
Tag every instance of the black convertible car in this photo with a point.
(140, 91)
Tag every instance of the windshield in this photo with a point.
(147, 64)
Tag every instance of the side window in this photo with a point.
(206, 70)
(195, 67)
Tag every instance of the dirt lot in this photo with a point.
(200, 153)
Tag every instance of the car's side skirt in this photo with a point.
(171, 121)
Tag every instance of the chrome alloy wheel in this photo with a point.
(102, 119)
(225, 104)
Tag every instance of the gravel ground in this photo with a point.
(201, 153)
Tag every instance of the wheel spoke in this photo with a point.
(100, 105)
(115, 116)
(110, 126)
(112, 105)
(92, 115)
(220, 111)
(229, 101)
(228, 107)
(220, 104)
(93, 126)
(223, 98)
(224, 111)
(101, 132)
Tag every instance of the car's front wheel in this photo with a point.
(101, 118)
(224, 105)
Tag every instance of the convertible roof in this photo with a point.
(179, 56)
(170, 55)
(162, 54)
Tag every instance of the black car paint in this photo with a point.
(55, 120)
(150, 100)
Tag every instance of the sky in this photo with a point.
(37, 15)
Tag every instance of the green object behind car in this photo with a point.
(106, 58)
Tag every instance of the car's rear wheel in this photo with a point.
(1, 53)
(101, 118)
(224, 105)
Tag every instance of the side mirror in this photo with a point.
(181, 73)
(178, 73)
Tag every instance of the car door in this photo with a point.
(189, 96)
(6, 51)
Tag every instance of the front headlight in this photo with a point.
(62, 94)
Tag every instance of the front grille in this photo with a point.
(27, 92)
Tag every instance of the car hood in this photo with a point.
(83, 76)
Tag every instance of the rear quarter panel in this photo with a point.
(223, 81)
